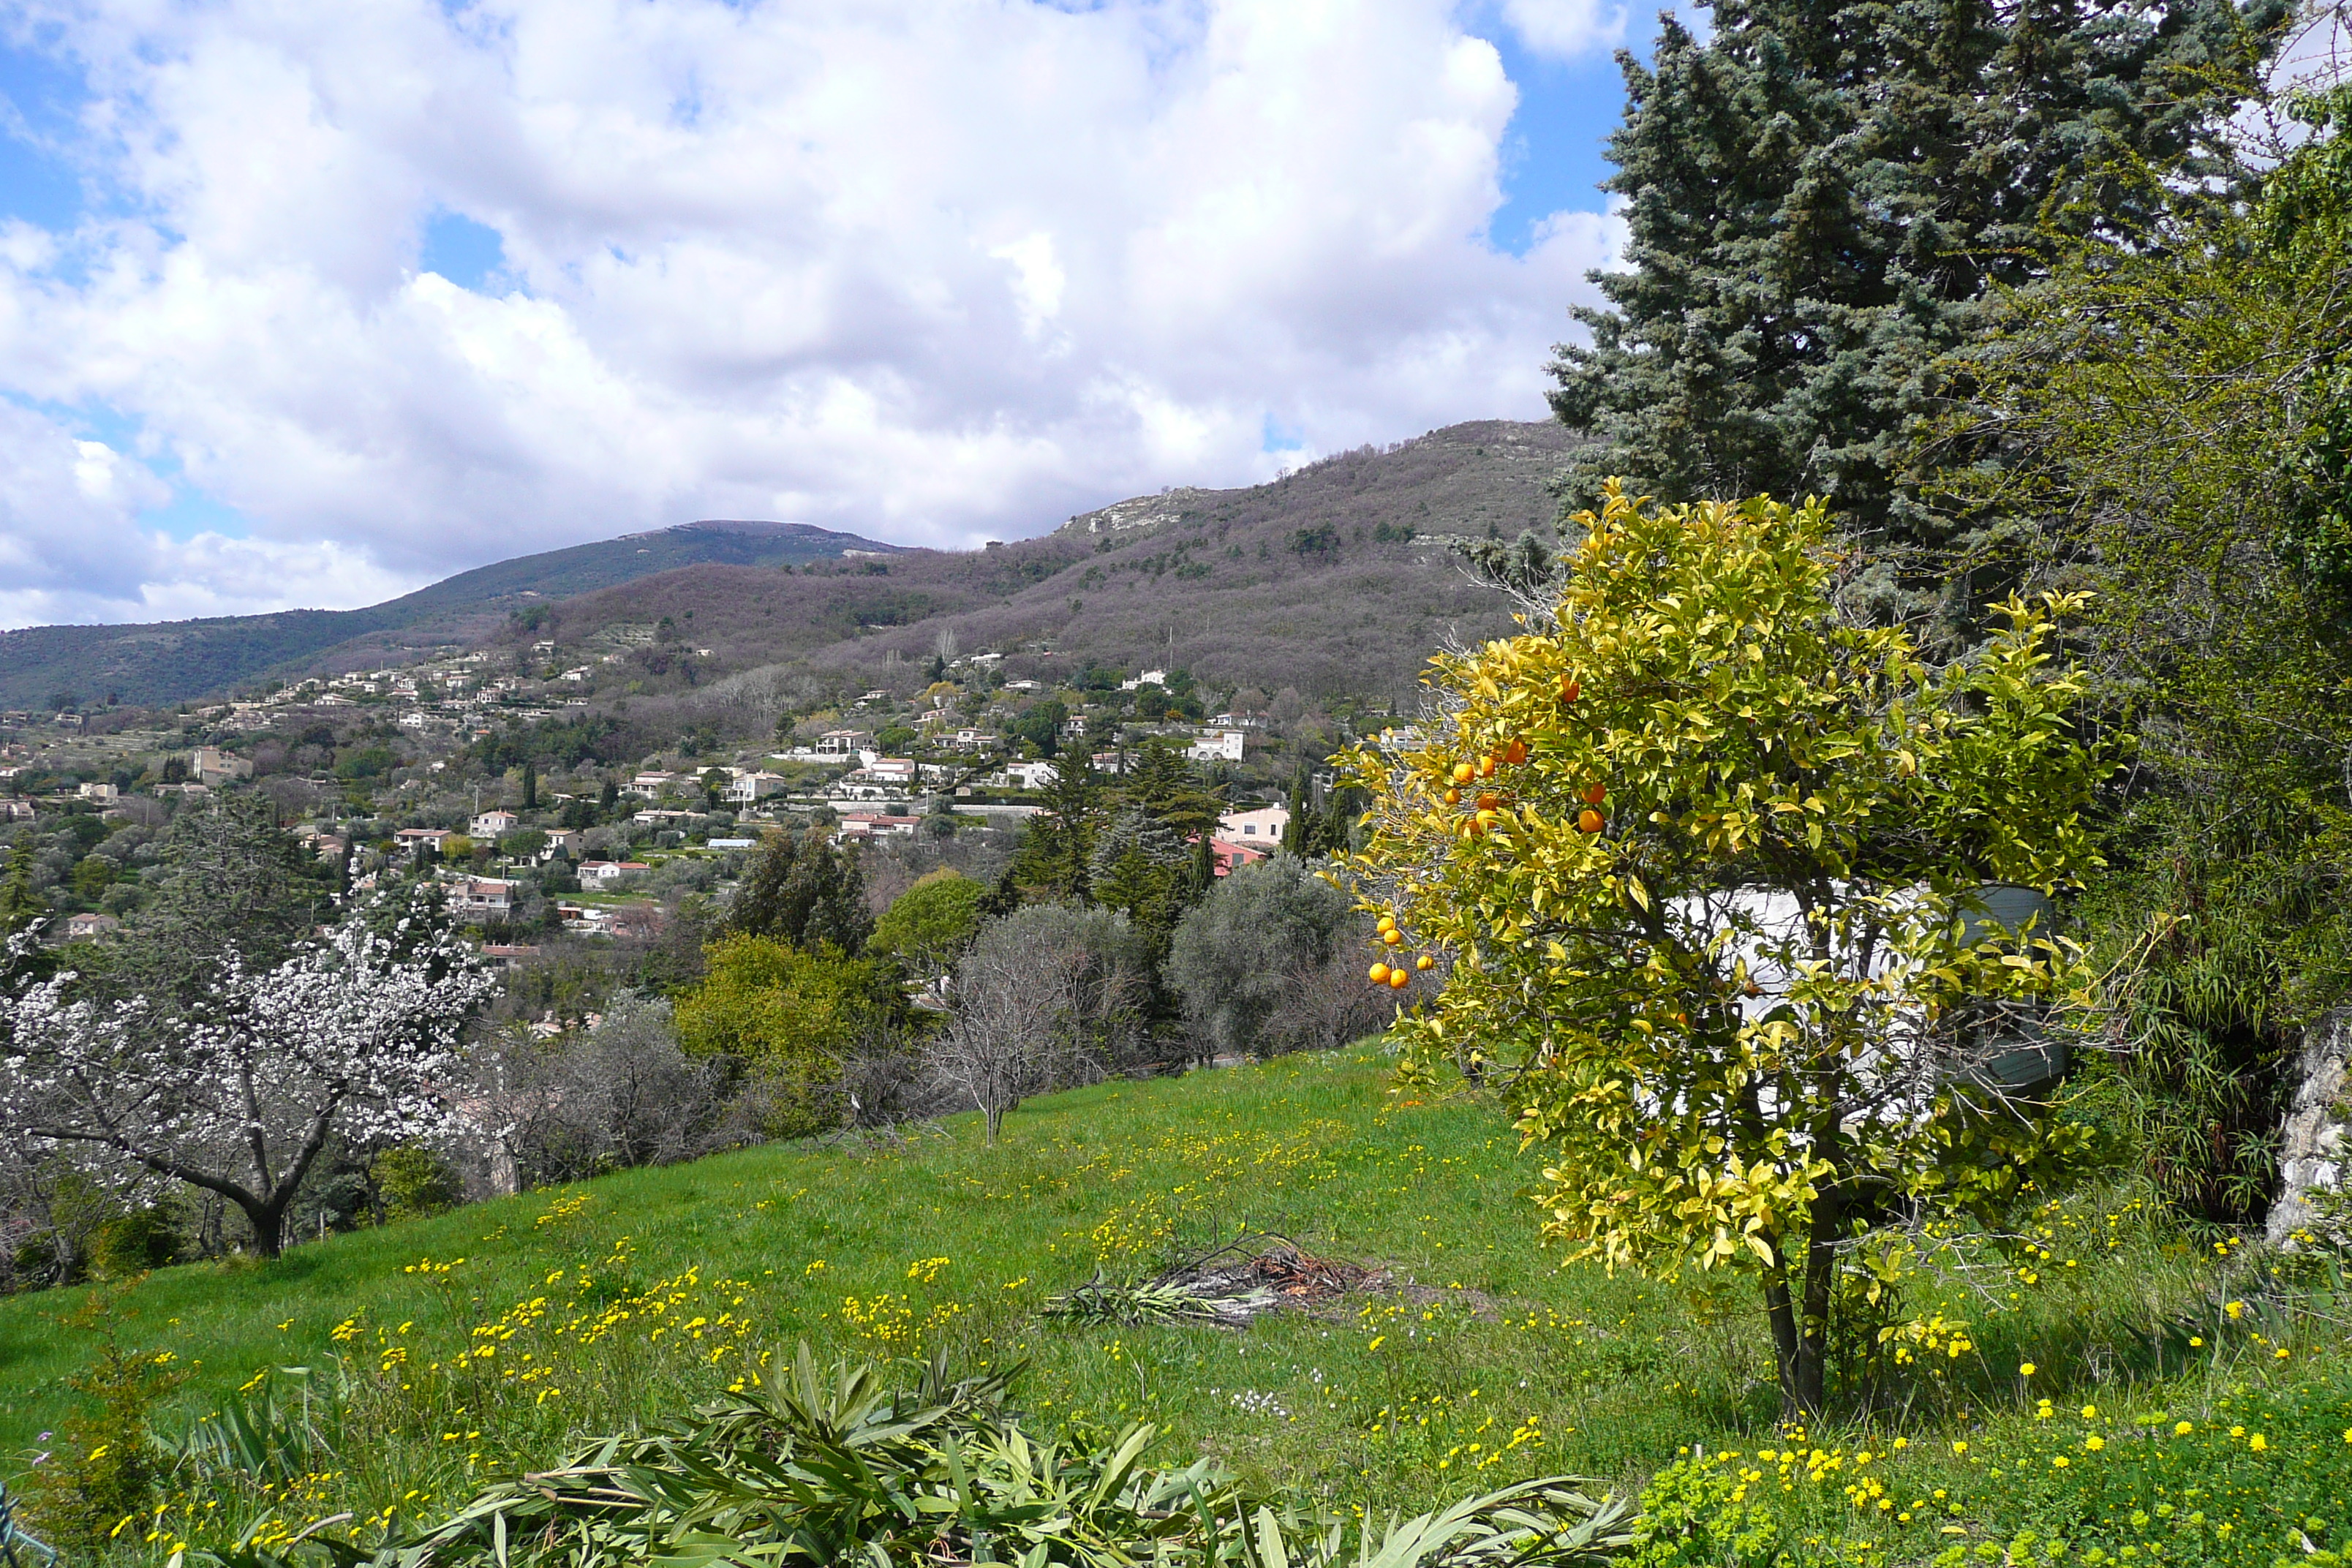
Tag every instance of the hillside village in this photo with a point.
(383, 772)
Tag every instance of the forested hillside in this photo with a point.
(1330, 580)
(170, 661)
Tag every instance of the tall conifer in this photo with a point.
(1820, 197)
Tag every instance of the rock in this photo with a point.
(2313, 1138)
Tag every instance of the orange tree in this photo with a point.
(1703, 868)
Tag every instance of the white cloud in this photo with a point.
(1566, 28)
(935, 270)
(71, 547)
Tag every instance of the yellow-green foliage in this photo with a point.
(930, 924)
(787, 1017)
(1704, 859)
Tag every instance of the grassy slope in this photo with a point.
(635, 1294)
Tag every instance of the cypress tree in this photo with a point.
(20, 905)
(804, 890)
(1822, 196)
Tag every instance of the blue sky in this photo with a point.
(809, 298)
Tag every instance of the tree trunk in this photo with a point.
(269, 1222)
(1780, 1310)
(1805, 1394)
(1799, 1320)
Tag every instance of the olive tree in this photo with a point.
(1250, 962)
(1048, 996)
(1702, 863)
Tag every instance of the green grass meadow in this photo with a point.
(444, 1352)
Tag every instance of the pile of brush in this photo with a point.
(1245, 1278)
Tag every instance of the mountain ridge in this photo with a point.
(161, 662)
(1325, 578)
(1331, 579)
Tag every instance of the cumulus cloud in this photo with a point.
(72, 548)
(1566, 28)
(933, 269)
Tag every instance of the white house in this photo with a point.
(604, 873)
(213, 766)
(843, 742)
(417, 839)
(1149, 678)
(493, 825)
(745, 788)
(1216, 746)
(862, 824)
(1264, 826)
(650, 784)
(1031, 775)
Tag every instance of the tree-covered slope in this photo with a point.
(167, 661)
(1330, 580)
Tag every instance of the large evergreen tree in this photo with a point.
(804, 890)
(1820, 198)
(1056, 854)
(236, 881)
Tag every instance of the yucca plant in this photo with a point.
(845, 1467)
(264, 1437)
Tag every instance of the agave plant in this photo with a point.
(845, 1467)
(264, 1436)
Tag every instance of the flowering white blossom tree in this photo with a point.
(357, 1033)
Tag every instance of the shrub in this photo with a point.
(414, 1182)
(786, 1020)
(621, 1094)
(103, 1470)
(1250, 960)
(1699, 1511)
(928, 926)
(844, 1467)
(132, 1243)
